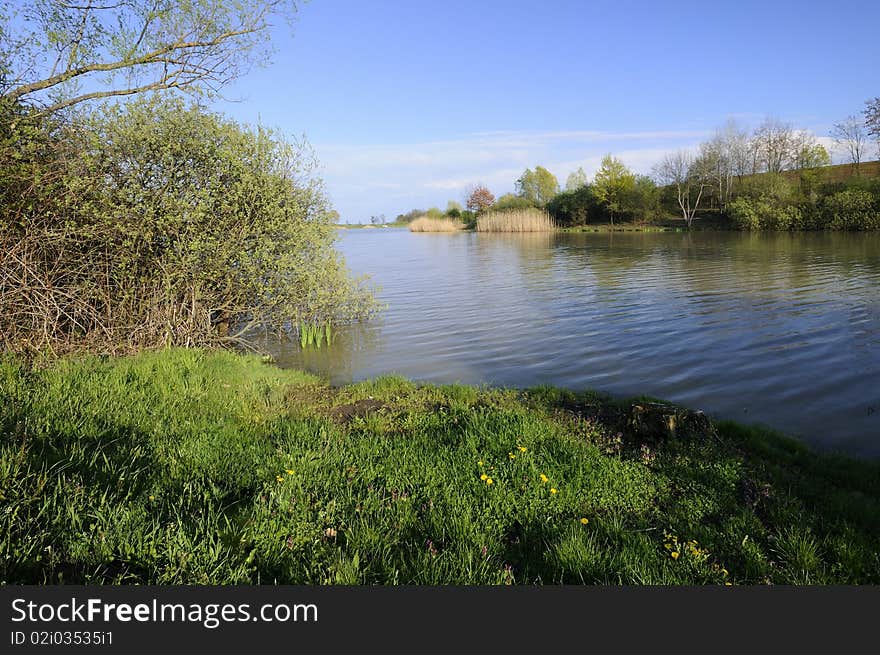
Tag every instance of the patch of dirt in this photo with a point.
(359, 409)
(643, 423)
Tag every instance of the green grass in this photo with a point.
(192, 467)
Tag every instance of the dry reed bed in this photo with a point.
(519, 220)
(426, 224)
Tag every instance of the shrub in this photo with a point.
(509, 202)
(577, 207)
(853, 209)
(763, 214)
(158, 224)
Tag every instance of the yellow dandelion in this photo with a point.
(511, 455)
(553, 490)
(728, 584)
(584, 521)
(674, 554)
(544, 478)
(480, 463)
(152, 498)
(489, 480)
(522, 449)
(289, 471)
(279, 478)
(484, 477)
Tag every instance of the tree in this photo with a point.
(689, 176)
(775, 146)
(612, 183)
(850, 134)
(479, 199)
(377, 220)
(510, 201)
(574, 207)
(812, 155)
(539, 186)
(60, 53)
(576, 180)
(734, 143)
(872, 120)
(453, 208)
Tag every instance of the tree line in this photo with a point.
(771, 177)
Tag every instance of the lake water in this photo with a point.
(777, 329)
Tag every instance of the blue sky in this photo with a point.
(407, 103)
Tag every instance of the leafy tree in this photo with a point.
(537, 186)
(812, 156)
(576, 180)
(479, 199)
(612, 184)
(642, 201)
(510, 201)
(453, 208)
(61, 53)
(574, 207)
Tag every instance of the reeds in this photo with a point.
(313, 335)
(517, 220)
(427, 224)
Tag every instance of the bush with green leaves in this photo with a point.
(763, 214)
(852, 209)
(157, 223)
(577, 207)
(511, 202)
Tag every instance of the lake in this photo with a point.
(777, 329)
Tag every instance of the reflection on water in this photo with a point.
(772, 328)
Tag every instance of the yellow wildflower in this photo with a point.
(484, 477)
(584, 521)
(674, 554)
(489, 481)
(289, 471)
(480, 463)
(553, 490)
(152, 498)
(279, 478)
(511, 455)
(544, 478)
(522, 449)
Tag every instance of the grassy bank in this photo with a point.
(188, 467)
